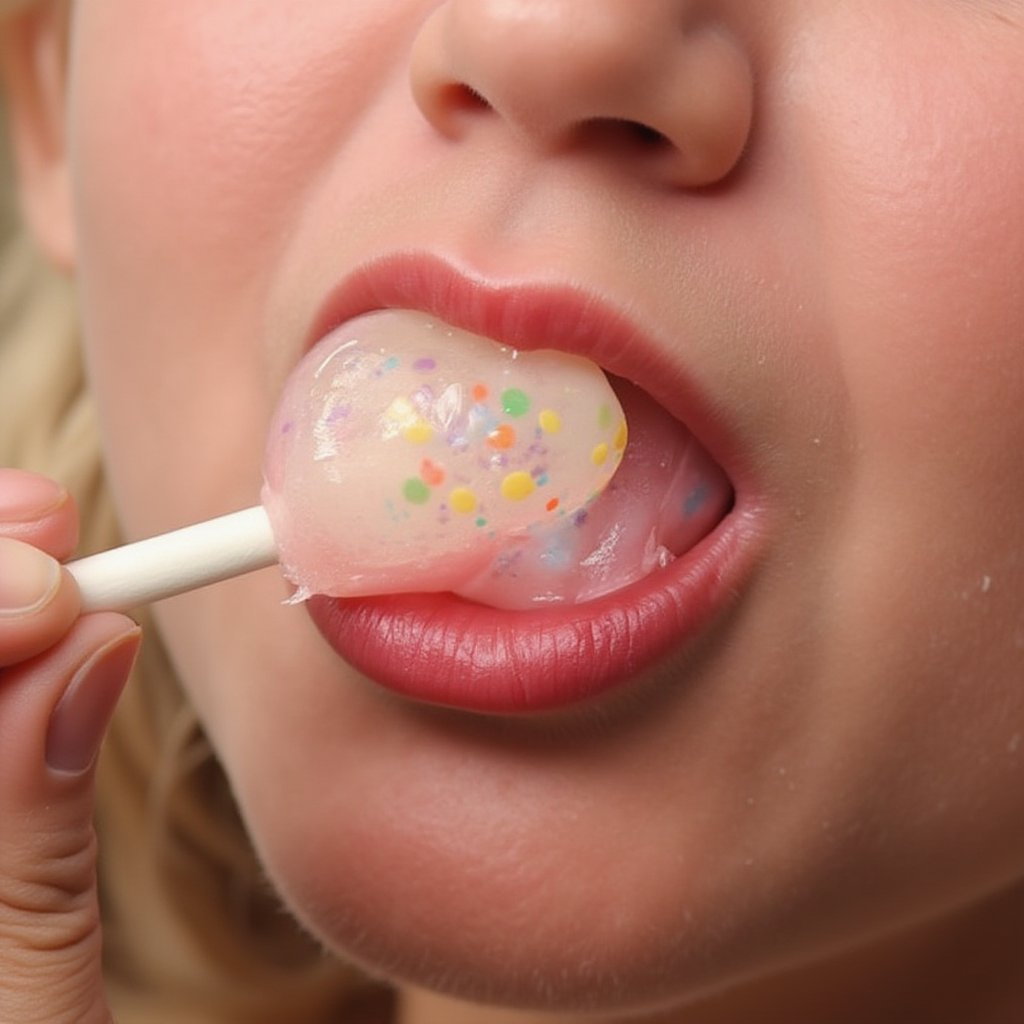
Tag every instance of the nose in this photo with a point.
(661, 81)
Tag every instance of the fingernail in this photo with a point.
(26, 496)
(29, 578)
(79, 722)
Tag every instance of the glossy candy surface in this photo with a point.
(406, 454)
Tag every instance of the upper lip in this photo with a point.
(530, 314)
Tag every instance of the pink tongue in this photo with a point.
(667, 494)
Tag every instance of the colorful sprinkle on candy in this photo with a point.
(419, 432)
(502, 437)
(463, 501)
(431, 473)
(550, 422)
(517, 486)
(695, 501)
(515, 402)
(416, 492)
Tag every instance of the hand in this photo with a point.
(60, 677)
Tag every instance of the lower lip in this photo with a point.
(441, 649)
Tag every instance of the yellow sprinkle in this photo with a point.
(517, 486)
(419, 432)
(463, 500)
(621, 436)
(550, 422)
(400, 411)
(599, 456)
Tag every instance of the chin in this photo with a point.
(453, 874)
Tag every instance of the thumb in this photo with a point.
(54, 711)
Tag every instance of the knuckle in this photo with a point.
(50, 955)
(47, 894)
(61, 990)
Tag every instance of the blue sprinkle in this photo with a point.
(695, 501)
(556, 555)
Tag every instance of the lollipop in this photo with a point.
(404, 454)
(403, 457)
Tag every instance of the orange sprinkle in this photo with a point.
(480, 392)
(552, 505)
(431, 473)
(502, 437)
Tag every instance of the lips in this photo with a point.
(444, 649)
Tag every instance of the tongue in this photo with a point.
(666, 495)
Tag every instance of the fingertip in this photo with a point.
(38, 511)
(39, 601)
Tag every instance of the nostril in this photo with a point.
(646, 136)
(462, 98)
(622, 134)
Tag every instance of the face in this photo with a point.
(802, 239)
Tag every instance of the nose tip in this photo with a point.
(659, 83)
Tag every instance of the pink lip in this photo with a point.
(444, 650)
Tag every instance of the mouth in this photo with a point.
(655, 559)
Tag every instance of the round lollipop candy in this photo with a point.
(404, 454)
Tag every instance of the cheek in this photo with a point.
(211, 145)
(922, 226)
(189, 173)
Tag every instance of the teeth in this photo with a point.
(667, 494)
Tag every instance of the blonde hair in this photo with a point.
(193, 932)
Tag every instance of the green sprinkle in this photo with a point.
(416, 492)
(604, 417)
(515, 402)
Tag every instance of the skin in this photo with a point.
(818, 807)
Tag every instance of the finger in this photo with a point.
(38, 511)
(54, 711)
(38, 601)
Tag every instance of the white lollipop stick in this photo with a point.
(175, 562)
